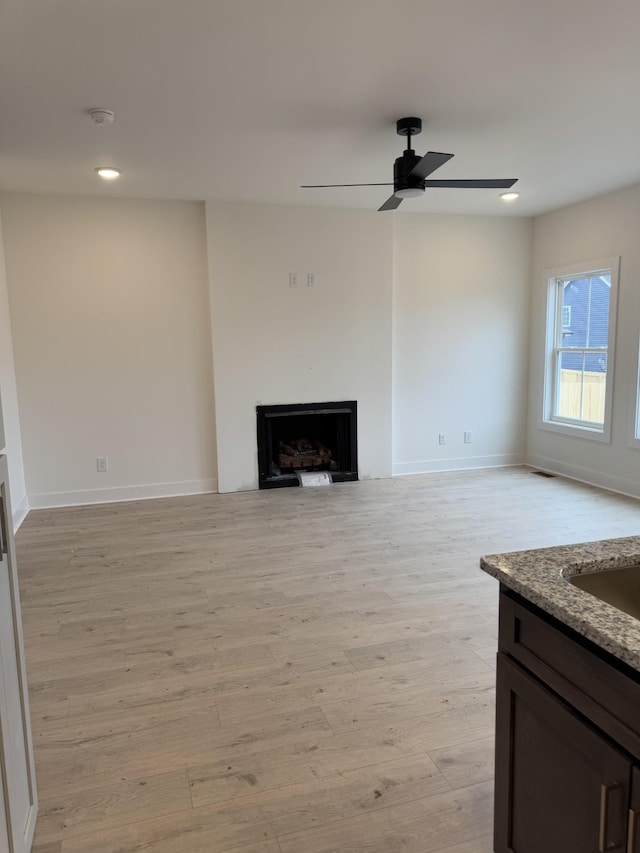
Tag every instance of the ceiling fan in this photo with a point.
(410, 171)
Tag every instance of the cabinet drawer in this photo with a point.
(573, 668)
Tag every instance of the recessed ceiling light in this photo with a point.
(509, 196)
(108, 173)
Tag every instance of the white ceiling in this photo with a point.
(246, 99)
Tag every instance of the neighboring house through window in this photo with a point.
(581, 309)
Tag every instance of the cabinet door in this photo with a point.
(16, 757)
(634, 814)
(560, 784)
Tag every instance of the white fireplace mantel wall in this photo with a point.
(421, 318)
(276, 344)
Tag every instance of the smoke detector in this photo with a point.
(102, 117)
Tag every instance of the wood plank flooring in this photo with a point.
(290, 671)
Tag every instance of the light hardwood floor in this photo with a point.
(290, 671)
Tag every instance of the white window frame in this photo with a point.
(634, 432)
(550, 421)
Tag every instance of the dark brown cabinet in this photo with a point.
(564, 783)
(633, 838)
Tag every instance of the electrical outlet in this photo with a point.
(311, 279)
(102, 464)
(468, 438)
(442, 438)
(293, 279)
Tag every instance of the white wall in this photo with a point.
(598, 228)
(9, 396)
(112, 323)
(109, 304)
(460, 341)
(275, 344)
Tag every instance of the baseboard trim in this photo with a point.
(458, 463)
(50, 500)
(620, 485)
(20, 512)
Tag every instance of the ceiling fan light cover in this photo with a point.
(409, 192)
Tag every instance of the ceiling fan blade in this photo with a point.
(486, 184)
(319, 186)
(391, 203)
(431, 161)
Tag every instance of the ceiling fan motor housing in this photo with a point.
(401, 172)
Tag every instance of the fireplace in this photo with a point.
(307, 437)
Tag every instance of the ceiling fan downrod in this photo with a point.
(409, 127)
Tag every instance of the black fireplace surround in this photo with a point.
(333, 427)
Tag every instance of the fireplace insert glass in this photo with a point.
(306, 437)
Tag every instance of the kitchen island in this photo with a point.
(567, 704)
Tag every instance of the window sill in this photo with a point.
(574, 431)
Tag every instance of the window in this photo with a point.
(579, 354)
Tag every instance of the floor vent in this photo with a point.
(543, 474)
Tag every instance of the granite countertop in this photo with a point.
(539, 576)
